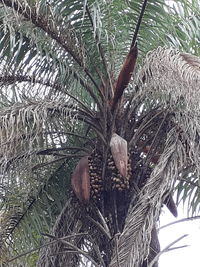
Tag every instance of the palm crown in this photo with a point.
(73, 100)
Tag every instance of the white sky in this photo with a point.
(183, 257)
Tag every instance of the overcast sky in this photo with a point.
(183, 257)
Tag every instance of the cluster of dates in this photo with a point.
(87, 180)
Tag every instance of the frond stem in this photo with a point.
(147, 120)
(155, 140)
(50, 151)
(101, 54)
(103, 230)
(89, 89)
(138, 23)
(57, 160)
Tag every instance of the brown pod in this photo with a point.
(119, 152)
(81, 180)
(169, 202)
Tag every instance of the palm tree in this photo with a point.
(80, 104)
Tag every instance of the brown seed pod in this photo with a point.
(119, 152)
(169, 202)
(80, 180)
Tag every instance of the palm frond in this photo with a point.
(32, 49)
(23, 124)
(72, 222)
(172, 79)
(47, 22)
(43, 134)
(24, 228)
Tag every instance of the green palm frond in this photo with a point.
(37, 212)
(39, 135)
(31, 43)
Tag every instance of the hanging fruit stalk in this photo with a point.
(119, 152)
(81, 180)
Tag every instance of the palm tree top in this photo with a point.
(71, 76)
